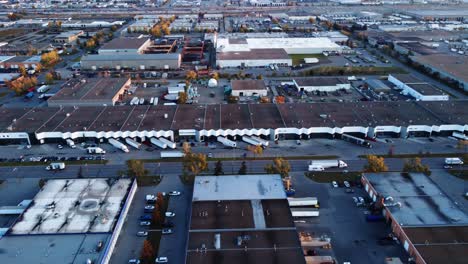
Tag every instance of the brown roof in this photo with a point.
(124, 43)
(254, 54)
(450, 64)
(239, 85)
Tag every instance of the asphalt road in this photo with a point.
(230, 167)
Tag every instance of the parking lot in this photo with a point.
(129, 244)
(352, 238)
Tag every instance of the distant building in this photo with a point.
(416, 88)
(248, 88)
(131, 61)
(68, 36)
(15, 62)
(119, 46)
(322, 84)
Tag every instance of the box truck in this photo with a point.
(95, 150)
(70, 143)
(56, 166)
(453, 161)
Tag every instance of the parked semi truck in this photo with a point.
(56, 166)
(172, 154)
(169, 143)
(251, 141)
(118, 145)
(459, 136)
(356, 140)
(70, 143)
(325, 164)
(453, 161)
(95, 150)
(260, 140)
(226, 142)
(158, 143)
(133, 143)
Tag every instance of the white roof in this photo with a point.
(223, 44)
(238, 187)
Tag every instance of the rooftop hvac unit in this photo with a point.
(166, 116)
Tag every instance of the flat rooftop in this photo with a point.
(454, 65)
(222, 215)
(422, 201)
(254, 256)
(74, 206)
(69, 248)
(439, 244)
(240, 85)
(319, 81)
(124, 43)
(248, 187)
(91, 89)
(426, 89)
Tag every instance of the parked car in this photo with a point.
(174, 193)
(134, 261)
(149, 207)
(145, 223)
(142, 233)
(346, 184)
(59, 146)
(161, 260)
(334, 184)
(145, 217)
(448, 167)
(355, 200)
(361, 200)
(167, 231)
(170, 214)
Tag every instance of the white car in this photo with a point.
(355, 199)
(170, 214)
(134, 261)
(145, 223)
(142, 233)
(334, 184)
(361, 200)
(149, 207)
(59, 146)
(161, 260)
(346, 184)
(167, 231)
(174, 193)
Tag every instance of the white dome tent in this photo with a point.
(212, 83)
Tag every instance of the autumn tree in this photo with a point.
(243, 168)
(279, 166)
(23, 71)
(22, 84)
(156, 31)
(215, 76)
(256, 150)
(191, 75)
(14, 16)
(49, 59)
(160, 200)
(147, 252)
(415, 165)
(90, 44)
(49, 78)
(193, 163)
(156, 218)
(375, 164)
(136, 168)
(311, 20)
(218, 168)
(259, 77)
(183, 97)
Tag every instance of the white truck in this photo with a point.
(226, 142)
(304, 201)
(251, 141)
(325, 164)
(70, 143)
(158, 143)
(170, 144)
(260, 140)
(56, 166)
(304, 212)
(453, 161)
(43, 89)
(172, 154)
(118, 145)
(95, 150)
(133, 143)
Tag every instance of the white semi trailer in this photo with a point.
(169, 143)
(304, 201)
(158, 143)
(251, 141)
(118, 145)
(260, 140)
(304, 212)
(226, 142)
(172, 154)
(327, 164)
(133, 143)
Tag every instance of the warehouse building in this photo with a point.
(248, 88)
(322, 84)
(125, 45)
(248, 224)
(421, 91)
(90, 92)
(14, 62)
(69, 221)
(131, 61)
(238, 51)
(68, 36)
(207, 122)
(431, 227)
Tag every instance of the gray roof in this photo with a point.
(422, 201)
(238, 187)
